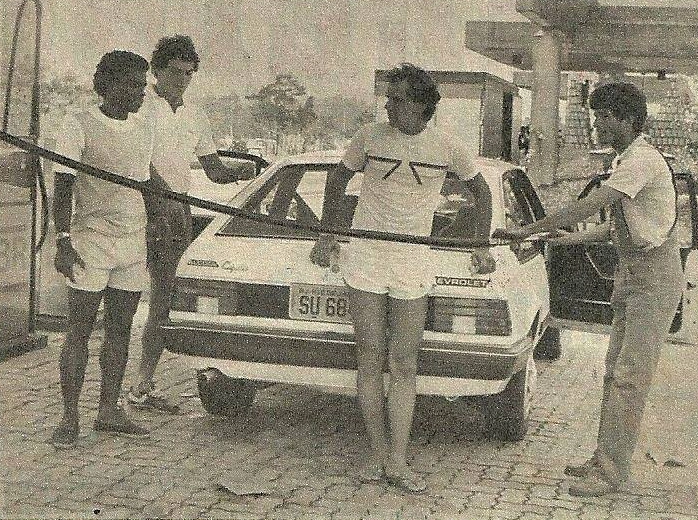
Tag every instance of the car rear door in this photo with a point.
(581, 276)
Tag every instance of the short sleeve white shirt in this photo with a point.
(641, 173)
(403, 176)
(180, 137)
(70, 142)
(123, 147)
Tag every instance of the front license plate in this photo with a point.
(319, 303)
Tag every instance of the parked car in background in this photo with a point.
(250, 308)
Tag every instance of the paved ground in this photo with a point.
(298, 451)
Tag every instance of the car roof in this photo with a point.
(319, 156)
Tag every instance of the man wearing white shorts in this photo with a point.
(404, 165)
(101, 243)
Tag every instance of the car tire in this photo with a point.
(223, 395)
(507, 412)
(549, 345)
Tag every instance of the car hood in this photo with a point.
(204, 188)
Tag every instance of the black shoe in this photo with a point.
(64, 438)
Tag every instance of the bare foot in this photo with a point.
(404, 478)
(66, 434)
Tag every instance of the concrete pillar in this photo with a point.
(491, 145)
(545, 147)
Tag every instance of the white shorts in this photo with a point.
(116, 262)
(402, 271)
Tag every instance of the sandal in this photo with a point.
(408, 481)
(371, 474)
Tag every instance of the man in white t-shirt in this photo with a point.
(404, 166)
(101, 245)
(182, 131)
(647, 284)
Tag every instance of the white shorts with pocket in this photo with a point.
(402, 271)
(116, 262)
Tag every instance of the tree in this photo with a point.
(338, 119)
(225, 114)
(58, 94)
(282, 107)
(63, 91)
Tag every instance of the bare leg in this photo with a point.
(368, 312)
(119, 308)
(82, 310)
(162, 277)
(406, 326)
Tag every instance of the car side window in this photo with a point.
(518, 213)
(455, 197)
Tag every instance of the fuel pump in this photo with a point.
(21, 182)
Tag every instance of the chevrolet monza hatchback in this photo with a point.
(250, 308)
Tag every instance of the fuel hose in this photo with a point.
(444, 242)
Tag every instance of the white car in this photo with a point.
(204, 188)
(250, 308)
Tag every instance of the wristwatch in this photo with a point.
(61, 235)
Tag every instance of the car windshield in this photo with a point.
(295, 194)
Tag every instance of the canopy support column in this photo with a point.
(545, 146)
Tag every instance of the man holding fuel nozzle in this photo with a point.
(648, 281)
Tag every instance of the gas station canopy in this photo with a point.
(597, 35)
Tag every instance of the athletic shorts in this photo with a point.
(116, 262)
(402, 271)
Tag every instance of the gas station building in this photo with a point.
(607, 37)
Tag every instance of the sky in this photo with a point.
(332, 46)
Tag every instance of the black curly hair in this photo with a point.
(421, 86)
(116, 63)
(177, 47)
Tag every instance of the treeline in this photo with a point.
(283, 108)
(282, 111)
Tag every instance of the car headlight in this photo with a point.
(483, 316)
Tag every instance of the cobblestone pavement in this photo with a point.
(298, 451)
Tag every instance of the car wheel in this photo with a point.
(507, 412)
(549, 345)
(223, 395)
